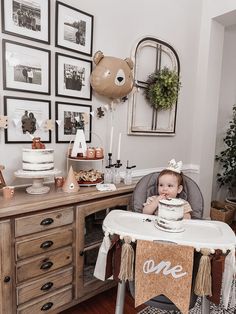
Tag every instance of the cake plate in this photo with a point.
(38, 177)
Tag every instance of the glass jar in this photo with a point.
(90, 152)
(98, 152)
(128, 177)
(108, 175)
(116, 176)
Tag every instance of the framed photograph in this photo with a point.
(26, 68)
(26, 119)
(2, 181)
(74, 29)
(27, 19)
(72, 77)
(70, 118)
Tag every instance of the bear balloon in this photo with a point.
(112, 77)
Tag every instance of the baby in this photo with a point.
(169, 185)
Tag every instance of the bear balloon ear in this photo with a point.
(130, 63)
(98, 57)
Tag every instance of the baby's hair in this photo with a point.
(179, 176)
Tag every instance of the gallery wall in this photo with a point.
(116, 29)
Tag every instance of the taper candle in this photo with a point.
(119, 143)
(111, 140)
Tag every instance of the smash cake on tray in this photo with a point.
(171, 215)
(171, 210)
(37, 158)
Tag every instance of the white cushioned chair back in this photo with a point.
(147, 186)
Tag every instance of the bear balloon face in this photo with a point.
(112, 77)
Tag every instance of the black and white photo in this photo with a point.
(2, 181)
(70, 118)
(72, 77)
(28, 19)
(74, 29)
(26, 119)
(26, 68)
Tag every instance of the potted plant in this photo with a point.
(162, 88)
(227, 160)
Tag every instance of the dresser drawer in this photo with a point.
(42, 243)
(44, 221)
(47, 304)
(44, 263)
(44, 286)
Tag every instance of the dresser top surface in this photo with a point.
(22, 202)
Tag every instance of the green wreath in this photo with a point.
(162, 88)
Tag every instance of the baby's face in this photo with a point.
(168, 186)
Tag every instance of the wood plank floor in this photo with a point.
(104, 303)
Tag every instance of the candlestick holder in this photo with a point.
(118, 164)
(110, 160)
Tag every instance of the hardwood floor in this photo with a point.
(104, 303)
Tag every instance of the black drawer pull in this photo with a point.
(46, 265)
(47, 286)
(46, 244)
(81, 253)
(46, 221)
(46, 306)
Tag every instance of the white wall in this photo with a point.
(207, 91)
(226, 101)
(188, 27)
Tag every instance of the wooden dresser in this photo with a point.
(49, 245)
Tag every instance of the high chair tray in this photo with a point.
(197, 233)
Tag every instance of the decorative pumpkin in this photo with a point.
(162, 88)
(112, 77)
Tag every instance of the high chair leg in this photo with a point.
(120, 298)
(205, 307)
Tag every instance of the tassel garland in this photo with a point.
(203, 278)
(127, 261)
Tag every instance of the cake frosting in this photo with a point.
(37, 159)
(171, 214)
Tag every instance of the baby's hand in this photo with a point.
(156, 199)
(161, 197)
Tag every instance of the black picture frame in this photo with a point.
(74, 29)
(25, 21)
(66, 114)
(73, 77)
(26, 118)
(26, 68)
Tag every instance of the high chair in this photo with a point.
(147, 186)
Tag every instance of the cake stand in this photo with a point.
(38, 177)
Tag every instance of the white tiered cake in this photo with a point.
(171, 214)
(37, 159)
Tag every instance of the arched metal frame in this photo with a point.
(143, 118)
